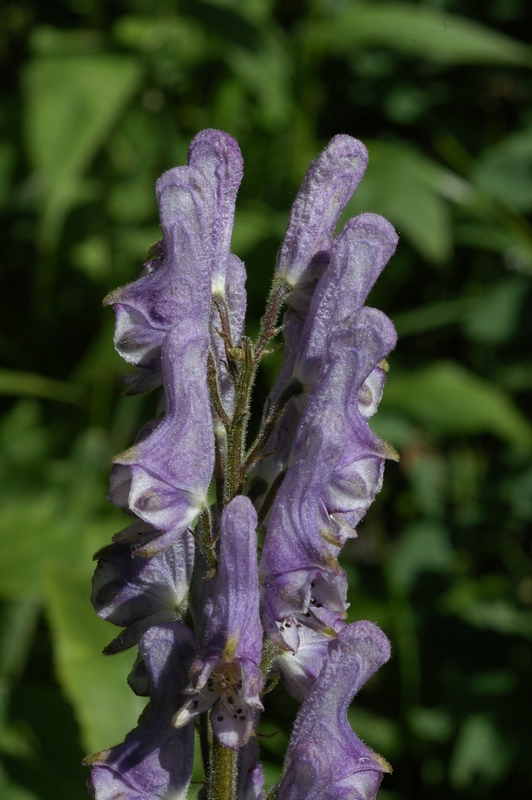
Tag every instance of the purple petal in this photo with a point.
(299, 669)
(217, 156)
(325, 759)
(137, 593)
(329, 183)
(171, 469)
(250, 778)
(360, 253)
(155, 760)
(227, 677)
(335, 474)
(234, 627)
(148, 308)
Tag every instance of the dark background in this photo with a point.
(100, 97)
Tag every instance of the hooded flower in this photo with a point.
(325, 759)
(155, 760)
(196, 209)
(217, 156)
(166, 475)
(359, 254)
(226, 677)
(330, 181)
(137, 593)
(335, 472)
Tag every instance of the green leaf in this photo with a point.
(495, 317)
(95, 684)
(417, 31)
(14, 791)
(479, 752)
(476, 603)
(264, 72)
(450, 399)
(37, 530)
(504, 171)
(409, 189)
(28, 384)
(423, 547)
(71, 102)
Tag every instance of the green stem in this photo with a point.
(223, 773)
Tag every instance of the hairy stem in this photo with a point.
(223, 773)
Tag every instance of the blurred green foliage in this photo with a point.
(99, 97)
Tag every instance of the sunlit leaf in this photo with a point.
(95, 684)
(452, 400)
(417, 31)
(409, 189)
(71, 103)
(27, 384)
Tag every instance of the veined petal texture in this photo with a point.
(155, 760)
(217, 156)
(325, 759)
(359, 254)
(332, 436)
(170, 470)
(136, 593)
(226, 678)
(329, 182)
(196, 210)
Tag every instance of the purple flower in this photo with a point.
(217, 156)
(336, 470)
(165, 476)
(250, 781)
(196, 209)
(155, 760)
(227, 678)
(330, 181)
(359, 254)
(136, 593)
(325, 759)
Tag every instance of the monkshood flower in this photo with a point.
(306, 527)
(330, 181)
(136, 593)
(325, 760)
(227, 678)
(166, 475)
(358, 256)
(182, 578)
(155, 760)
(196, 209)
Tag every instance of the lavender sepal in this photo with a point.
(168, 473)
(325, 759)
(226, 677)
(136, 593)
(329, 182)
(155, 760)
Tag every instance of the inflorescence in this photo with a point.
(213, 624)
